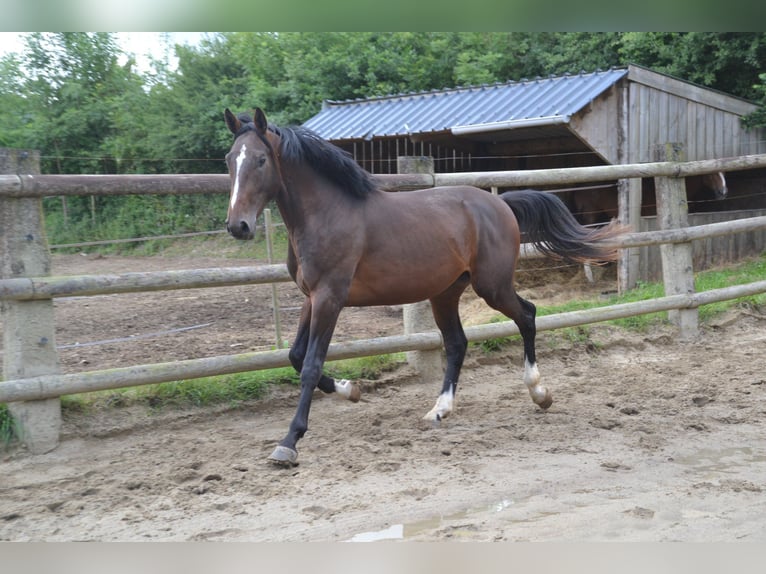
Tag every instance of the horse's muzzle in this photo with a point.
(240, 231)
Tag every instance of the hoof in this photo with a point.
(355, 394)
(348, 390)
(435, 419)
(547, 401)
(284, 456)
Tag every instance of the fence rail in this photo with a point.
(26, 290)
(40, 288)
(21, 185)
(44, 387)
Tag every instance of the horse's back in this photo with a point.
(418, 243)
(459, 213)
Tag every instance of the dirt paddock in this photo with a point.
(649, 438)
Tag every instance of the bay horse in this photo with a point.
(352, 244)
(597, 206)
(701, 192)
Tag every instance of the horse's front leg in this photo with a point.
(325, 309)
(344, 388)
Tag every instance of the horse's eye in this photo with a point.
(260, 161)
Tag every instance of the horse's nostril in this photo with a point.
(244, 227)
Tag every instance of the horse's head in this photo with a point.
(717, 183)
(254, 170)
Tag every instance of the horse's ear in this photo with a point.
(232, 121)
(260, 120)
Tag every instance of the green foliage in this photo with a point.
(219, 390)
(494, 344)
(729, 61)
(224, 389)
(365, 367)
(745, 272)
(8, 428)
(132, 216)
(748, 272)
(758, 117)
(80, 101)
(72, 84)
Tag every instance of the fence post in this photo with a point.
(418, 317)
(677, 262)
(269, 229)
(28, 326)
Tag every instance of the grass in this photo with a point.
(231, 390)
(745, 272)
(224, 389)
(8, 428)
(218, 245)
(221, 245)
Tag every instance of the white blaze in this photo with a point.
(235, 191)
(722, 179)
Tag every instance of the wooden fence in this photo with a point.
(32, 383)
(708, 251)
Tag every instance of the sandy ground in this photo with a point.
(649, 438)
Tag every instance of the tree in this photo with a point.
(729, 62)
(758, 118)
(13, 109)
(180, 126)
(77, 98)
(73, 83)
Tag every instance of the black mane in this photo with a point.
(301, 145)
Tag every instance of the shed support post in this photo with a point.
(28, 326)
(628, 195)
(418, 317)
(677, 262)
(629, 213)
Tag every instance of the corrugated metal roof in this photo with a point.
(481, 108)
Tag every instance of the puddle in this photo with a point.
(708, 461)
(395, 532)
(404, 531)
(720, 460)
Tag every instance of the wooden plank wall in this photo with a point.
(659, 117)
(709, 252)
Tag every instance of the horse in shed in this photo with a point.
(599, 205)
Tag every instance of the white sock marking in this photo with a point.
(343, 388)
(532, 380)
(442, 408)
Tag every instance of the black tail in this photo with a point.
(545, 221)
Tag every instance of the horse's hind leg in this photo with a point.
(445, 311)
(523, 313)
(345, 388)
(541, 396)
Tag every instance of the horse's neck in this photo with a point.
(315, 210)
(299, 202)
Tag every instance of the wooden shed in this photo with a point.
(618, 116)
(621, 115)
